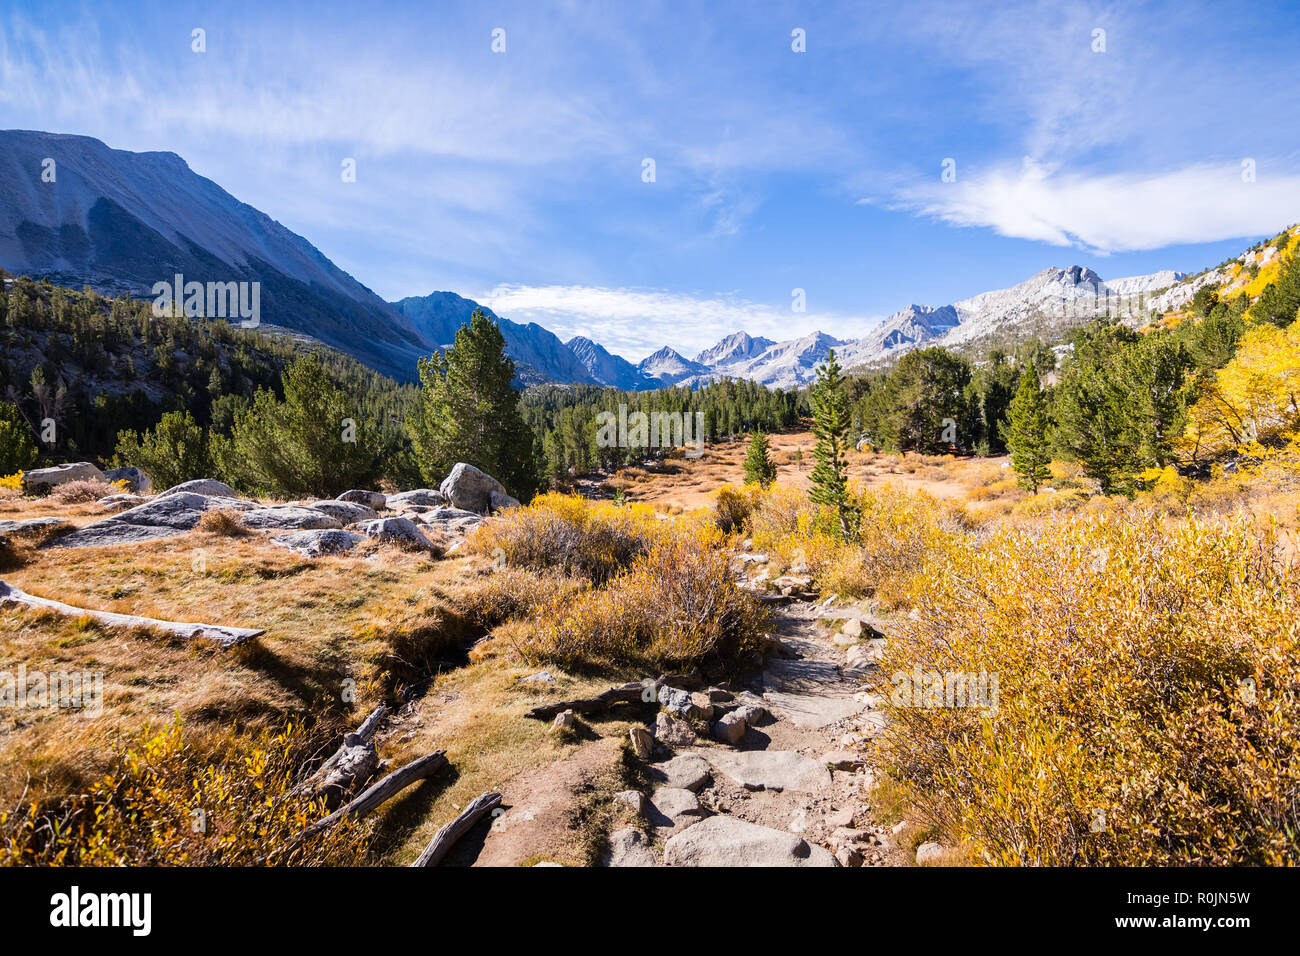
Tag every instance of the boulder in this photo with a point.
(930, 854)
(500, 501)
(685, 771)
(541, 677)
(371, 499)
(345, 512)
(41, 480)
(201, 486)
(32, 527)
(633, 800)
(673, 731)
(673, 807)
(726, 841)
(318, 541)
(643, 742)
(163, 517)
(564, 721)
(630, 848)
(399, 531)
(771, 770)
(467, 487)
(287, 518)
(135, 480)
(729, 729)
(419, 498)
(684, 704)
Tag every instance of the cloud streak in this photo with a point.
(1120, 212)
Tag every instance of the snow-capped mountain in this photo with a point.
(736, 347)
(608, 369)
(80, 213)
(668, 367)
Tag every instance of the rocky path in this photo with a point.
(795, 788)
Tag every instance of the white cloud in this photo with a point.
(635, 322)
(1118, 212)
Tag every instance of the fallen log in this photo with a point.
(353, 764)
(634, 692)
(227, 637)
(446, 838)
(376, 794)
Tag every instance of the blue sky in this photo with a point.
(515, 177)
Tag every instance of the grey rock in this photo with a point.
(632, 799)
(630, 847)
(673, 807)
(137, 482)
(33, 526)
(201, 486)
(564, 720)
(729, 729)
(500, 501)
(673, 731)
(287, 518)
(771, 770)
(541, 677)
(726, 841)
(643, 742)
(719, 696)
(419, 497)
(685, 771)
(930, 854)
(40, 480)
(345, 512)
(399, 531)
(751, 714)
(316, 542)
(467, 487)
(359, 496)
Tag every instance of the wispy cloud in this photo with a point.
(635, 322)
(1119, 212)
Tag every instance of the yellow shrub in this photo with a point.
(1145, 711)
(732, 507)
(166, 804)
(571, 535)
(677, 606)
(13, 482)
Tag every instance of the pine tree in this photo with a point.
(315, 442)
(1027, 434)
(17, 450)
(469, 411)
(759, 468)
(831, 428)
(173, 451)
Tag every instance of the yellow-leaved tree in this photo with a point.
(1250, 402)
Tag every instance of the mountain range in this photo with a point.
(80, 213)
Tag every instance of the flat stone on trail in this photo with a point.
(685, 771)
(673, 807)
(771, 770)
(315, 542)
(630, 848)
(726, 841)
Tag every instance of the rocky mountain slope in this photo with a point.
(121, 221)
